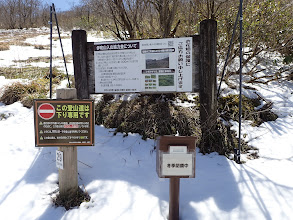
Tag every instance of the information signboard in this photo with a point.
(156, 65)
(64, 122)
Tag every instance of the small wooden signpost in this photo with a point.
(65, 122)
(175, 160)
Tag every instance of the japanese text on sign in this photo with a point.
(177, 164)
(154, 65)
(64, 122)
(72, 111)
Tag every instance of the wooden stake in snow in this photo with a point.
(68, 181)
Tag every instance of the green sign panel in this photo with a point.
(64, 122)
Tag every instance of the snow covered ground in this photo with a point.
(119, 172)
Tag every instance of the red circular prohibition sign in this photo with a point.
(46, 111)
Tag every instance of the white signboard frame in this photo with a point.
(177, 164)
(146, 66)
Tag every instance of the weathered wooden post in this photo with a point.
(208, 82)
(68, 177)
(174, 191)
(79, 53)
(195, 62)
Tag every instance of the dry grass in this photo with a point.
(31, 72)
(62, 37)
(16, 42)
(4, 46)
(44, 59)
(75, 201)
(34, 60)
(21, 43)
(25, 93)
(42, 47)
(228, 108)
(20, 35)
(148, 115)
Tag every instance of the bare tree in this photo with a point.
(211, 9)
(20, 13)
(166, 10)
(9, 11)
(129, 19)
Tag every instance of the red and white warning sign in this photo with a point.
(46, 111)
(64, 122)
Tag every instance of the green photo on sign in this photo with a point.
(157, 60)
(166, 80)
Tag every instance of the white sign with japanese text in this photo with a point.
(156, 65)
(177, 165)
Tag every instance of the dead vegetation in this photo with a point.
(4, 46)
(255, 110)
(42, 47)
(31, 72)
(156, 115)
(75, 201)
(148, 115)
(45, 59)
(18, 35)
(223, 140)
(63, 37)
(25, 93)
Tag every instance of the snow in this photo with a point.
(120, 176)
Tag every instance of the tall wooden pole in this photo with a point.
(79, 53)
(51, 50)
(238, 151)
(68, 181)
(208, 82)
(195, 62)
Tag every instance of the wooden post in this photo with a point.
(195, 63)
(68, 181)
(174, 189)
(208, 82)
(79, 53)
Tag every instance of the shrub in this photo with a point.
(13, 93)
(25, 93)
(229, 109)
(148, 115)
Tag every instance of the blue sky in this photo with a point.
(63, 5)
